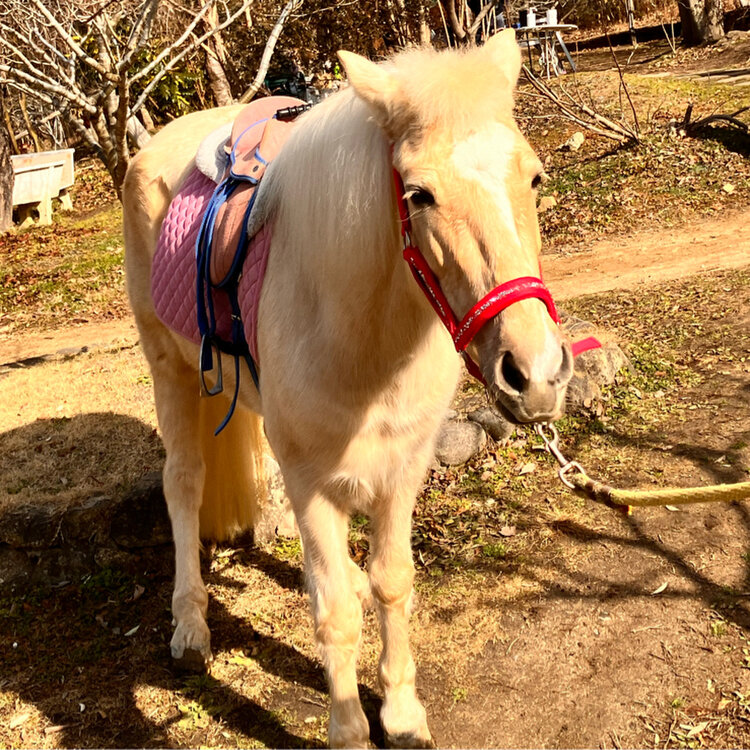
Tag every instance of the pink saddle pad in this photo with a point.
(174, 276)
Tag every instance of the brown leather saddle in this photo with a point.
(258, 135)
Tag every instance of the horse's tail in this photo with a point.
(235, 488)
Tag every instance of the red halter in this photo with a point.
(488, 307)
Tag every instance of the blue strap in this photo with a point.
(210, 343)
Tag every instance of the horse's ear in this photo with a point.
(372, 82)
(505, 53)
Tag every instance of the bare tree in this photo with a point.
(702, 20)
(464, 23)
(217, 61)
(92, 62)
(6, 173)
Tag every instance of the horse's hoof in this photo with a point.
(405, 740)
(191, 645)
(192, 661)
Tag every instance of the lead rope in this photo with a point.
(573, 476)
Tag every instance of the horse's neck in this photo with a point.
(338, 223)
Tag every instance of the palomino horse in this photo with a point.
(356, 369)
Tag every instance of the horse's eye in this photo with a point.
(420, 197)
(537, 181)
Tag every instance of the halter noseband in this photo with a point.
(490, 306)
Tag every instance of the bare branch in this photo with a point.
(26, 90)
(481, 16)
(121, 132)
(265, 59)
(72, 44)
(50, 88)
(624, 87)
(194, 45)
(30, 66)
(167, 51)
(458, 29)
(604, 126)
(691, 127)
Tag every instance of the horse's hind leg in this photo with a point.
(337, 612)
(402, 716)
(176, 392)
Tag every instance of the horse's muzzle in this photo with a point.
(529, 386)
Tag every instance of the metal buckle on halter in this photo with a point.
(206, 355)
(552, 445)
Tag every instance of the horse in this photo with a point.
(356, 371)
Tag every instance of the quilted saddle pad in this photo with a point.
(174, 275)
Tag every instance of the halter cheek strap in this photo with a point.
(491, 305)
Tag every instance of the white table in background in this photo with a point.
(548, 38)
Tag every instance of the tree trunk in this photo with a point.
(425, 35)
(216, 58)
(702, 20)
(27, 121)
(6, 175)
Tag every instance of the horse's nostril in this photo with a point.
(512, 373)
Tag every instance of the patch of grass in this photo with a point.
(496, 550)
(72, 269)
(106, 583)
(660, 181)
(289, 550)
(606, 189)
(459, 694)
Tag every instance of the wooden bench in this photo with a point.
(39, 178)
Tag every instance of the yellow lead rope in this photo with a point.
(572, 475)
(603, 493)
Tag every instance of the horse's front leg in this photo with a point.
(402, 716)
(337, 612)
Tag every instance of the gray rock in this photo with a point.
(594, 368)
(16, 569)
(601, 365)
(87, 522)
(581, 393)
(60, 565)
(458, 442)
(546, 204)
(574, 142)
(493, 423)
(30, 527)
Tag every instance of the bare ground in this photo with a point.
(582, 628)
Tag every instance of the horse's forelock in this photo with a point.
(456, 90)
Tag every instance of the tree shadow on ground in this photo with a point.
(731, 138)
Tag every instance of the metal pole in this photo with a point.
(631, 21)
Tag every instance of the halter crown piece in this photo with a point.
(492, 304)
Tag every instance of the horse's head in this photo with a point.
(470, 179)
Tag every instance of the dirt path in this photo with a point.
(642, 258)
(651, 257)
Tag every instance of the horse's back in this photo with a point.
(171, 152)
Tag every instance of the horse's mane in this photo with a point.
(329, 191)
(460, 89)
